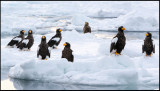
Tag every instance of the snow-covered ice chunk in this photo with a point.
(92, 64)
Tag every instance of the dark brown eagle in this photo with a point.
(43, 50)
(16, 40)
(148, 46)
(56, 39)
(86, 28)
(67, 52)
(118, 42)
(27, 42)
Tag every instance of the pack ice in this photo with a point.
(93, 64)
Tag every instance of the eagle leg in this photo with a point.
(116, 54)
(149, 55)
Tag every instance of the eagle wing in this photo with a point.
(153, 46)
(142, 48)
(49, 51)
(38, 51)
(154, 49)
(14, 41)
(25, 41)
(54, 41)
(17, 39)
(113, 43)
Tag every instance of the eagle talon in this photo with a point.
(116, 54)
(149, 55)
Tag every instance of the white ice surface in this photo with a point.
(134, 16)
(92, 64)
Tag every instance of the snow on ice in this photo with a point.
(93, 64)
(135, 16)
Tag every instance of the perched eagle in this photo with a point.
(118, 42)
(43, 50)
(27, 42)
(148, 46)
(67, 52)
(86, 28)
(55, 40)
(16, 40)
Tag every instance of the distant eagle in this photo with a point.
(86, 28)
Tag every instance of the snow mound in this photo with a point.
(103, 14)
(135, 16)
(79, 20)
(100, 72)
(137, 20)
(77, 72)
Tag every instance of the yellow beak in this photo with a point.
(23, 31)
(64, 44)
(123, 28)
(29, 31)
(60, 30)
(43, 37)
(146, 34)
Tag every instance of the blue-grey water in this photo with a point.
(38, 85)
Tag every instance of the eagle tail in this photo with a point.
(112, 47)
(154, 49)
(142, 48)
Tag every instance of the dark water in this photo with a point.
(38, 85)
(99, 33)
(130, 35)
